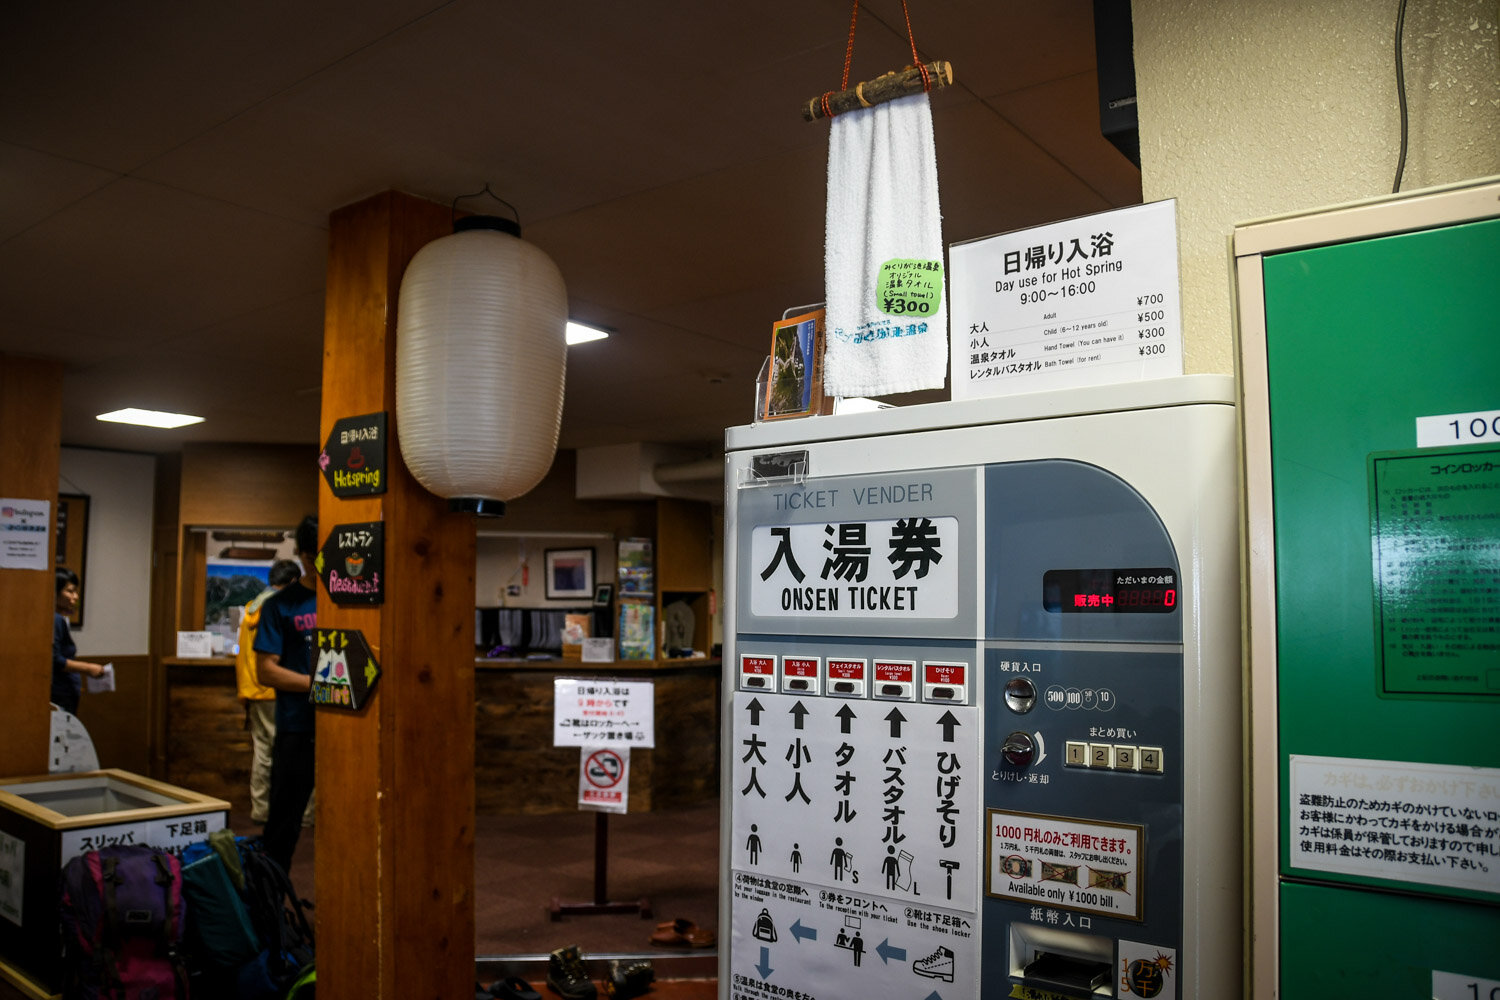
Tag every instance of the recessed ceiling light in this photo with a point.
(149, 418)
(581, 334)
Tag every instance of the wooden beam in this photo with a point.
(30, 438)
(395, 824)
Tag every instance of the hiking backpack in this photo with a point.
(122, 916)
(248, 936)
(281, 922)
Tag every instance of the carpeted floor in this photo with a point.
(523, 863)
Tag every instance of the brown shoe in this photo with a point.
(683, 933)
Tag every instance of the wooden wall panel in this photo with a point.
(30, 436)
(553, 505)
(248, 485)
(118, 720)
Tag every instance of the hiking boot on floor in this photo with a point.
(938, 965)
(566, 976)
(628, 979)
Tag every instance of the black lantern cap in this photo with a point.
(491, 222)
(483, 506)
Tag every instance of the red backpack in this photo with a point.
(122, 925)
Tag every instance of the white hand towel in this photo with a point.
(887, 315)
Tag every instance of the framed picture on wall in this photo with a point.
(570, 574)
(72, 543)
(603, 594)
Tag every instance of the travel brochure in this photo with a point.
(637, 576)
(637, 630)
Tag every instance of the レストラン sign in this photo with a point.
(904, 567)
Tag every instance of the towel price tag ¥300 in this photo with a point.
(909, 287)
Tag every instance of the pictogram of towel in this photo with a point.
(887, 315)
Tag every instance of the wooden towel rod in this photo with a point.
(881, 89)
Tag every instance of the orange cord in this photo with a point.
(849, 50)
(849, 57)
(915, 59)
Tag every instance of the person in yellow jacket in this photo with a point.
(259, 700)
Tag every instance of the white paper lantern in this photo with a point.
(480, 363)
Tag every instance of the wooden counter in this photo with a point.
(517, 770)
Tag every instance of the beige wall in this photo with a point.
(1250, 108)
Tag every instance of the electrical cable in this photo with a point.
(1400, 95)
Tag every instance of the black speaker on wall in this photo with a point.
(1114, 47)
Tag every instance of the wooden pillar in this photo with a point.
(30, 436)
(395, 824)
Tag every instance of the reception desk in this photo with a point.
(517, 769)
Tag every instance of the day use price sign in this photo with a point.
(1088, 301)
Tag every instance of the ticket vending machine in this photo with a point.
(981, 718)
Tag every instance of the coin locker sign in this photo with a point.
(854, 841)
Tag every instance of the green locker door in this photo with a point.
(1387, 578)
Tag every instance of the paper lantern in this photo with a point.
(480, 362)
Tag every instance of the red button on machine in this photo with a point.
(757, 672)
(800, 675)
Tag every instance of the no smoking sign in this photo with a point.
(603, 779)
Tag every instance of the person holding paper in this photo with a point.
(67, 673)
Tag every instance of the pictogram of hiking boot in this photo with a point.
(938, 965)
(567, 977)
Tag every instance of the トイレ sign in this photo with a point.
(346, 671)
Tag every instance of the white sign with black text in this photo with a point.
(1088, 301)
(25, 531)
(856, 569)
(603, 711)
(854, 837)
(12, 877)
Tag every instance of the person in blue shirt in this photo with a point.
(67, 672)
(284, 661)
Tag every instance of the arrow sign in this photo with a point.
(764, 968)
(934, 995)
(799, 932)
(353, 457)
(351, 563)
(888, 951)
(846, 715)
(345, 672)
(755, 708)
(895, 718)
(798, 712)
(1041, 748)
(948, 722)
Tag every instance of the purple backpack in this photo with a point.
(122, 925)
